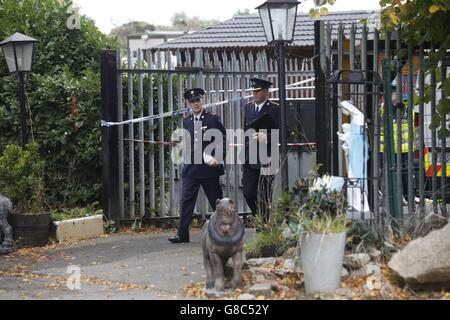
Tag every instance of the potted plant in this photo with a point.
(321, 223)
(22, 181)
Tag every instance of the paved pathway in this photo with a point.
(122, 266)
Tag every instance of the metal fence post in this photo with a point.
(398, 138)
(110, 137)
(321, 135)
(389, 150)
(444, 145)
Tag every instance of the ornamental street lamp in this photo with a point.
(278, 18)
(18, 51)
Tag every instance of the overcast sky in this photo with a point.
(110, 13)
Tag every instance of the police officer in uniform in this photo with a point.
(257, 187)
(204, 172)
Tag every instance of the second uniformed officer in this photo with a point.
(258, 186)
(204, 170)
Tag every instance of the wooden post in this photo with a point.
(110, 137)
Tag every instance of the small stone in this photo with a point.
(344, 272)
(260, 278)
(390, 247)
(246, 296)
(344, 292)
(289, 264)
(356, 261)
(260, 288)
(261, 262)
(374, 253)
(212, 293)
(367, 270)
(280, 273)
(253, 270)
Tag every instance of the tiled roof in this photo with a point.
(247, 31)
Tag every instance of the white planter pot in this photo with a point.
(322, 257)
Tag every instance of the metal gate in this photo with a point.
(404, 184)
(143, 104)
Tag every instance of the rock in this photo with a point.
(260, 278)
(374, 253)
(425, 262)
(390, 247)
(246, 296)
(280, 273)
(370, 269)
(430, 223)
(344, 272)
(260, 288)
(293, 265)
(356, 261)
(262, 262)
(345, 292)
(211, 293)
(289, 264)
(253, 270)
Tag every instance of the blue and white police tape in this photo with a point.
(174, 113)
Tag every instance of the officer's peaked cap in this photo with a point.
(193, 94)
(258, 84)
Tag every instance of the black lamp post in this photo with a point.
(18, 50)
(278, 18)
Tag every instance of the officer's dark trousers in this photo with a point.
(258, 191)
(189, 193)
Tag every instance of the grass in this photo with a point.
(268, 238)
(325, 224)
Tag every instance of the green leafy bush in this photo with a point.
(22, 178)
(66, 64)
(269, 236)
(265, 239)
(67, 214)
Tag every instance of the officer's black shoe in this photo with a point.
(177, 239)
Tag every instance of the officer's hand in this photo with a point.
(210, 161)
(262, 137)
(213, 163)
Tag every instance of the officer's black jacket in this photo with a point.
(203, 171)
(250, 114)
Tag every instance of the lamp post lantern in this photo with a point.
(18, 51)
(278, 18)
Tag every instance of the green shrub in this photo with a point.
(66, 63)
(265, 239)
(22, 178)
(67, 214)
(268, 234)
